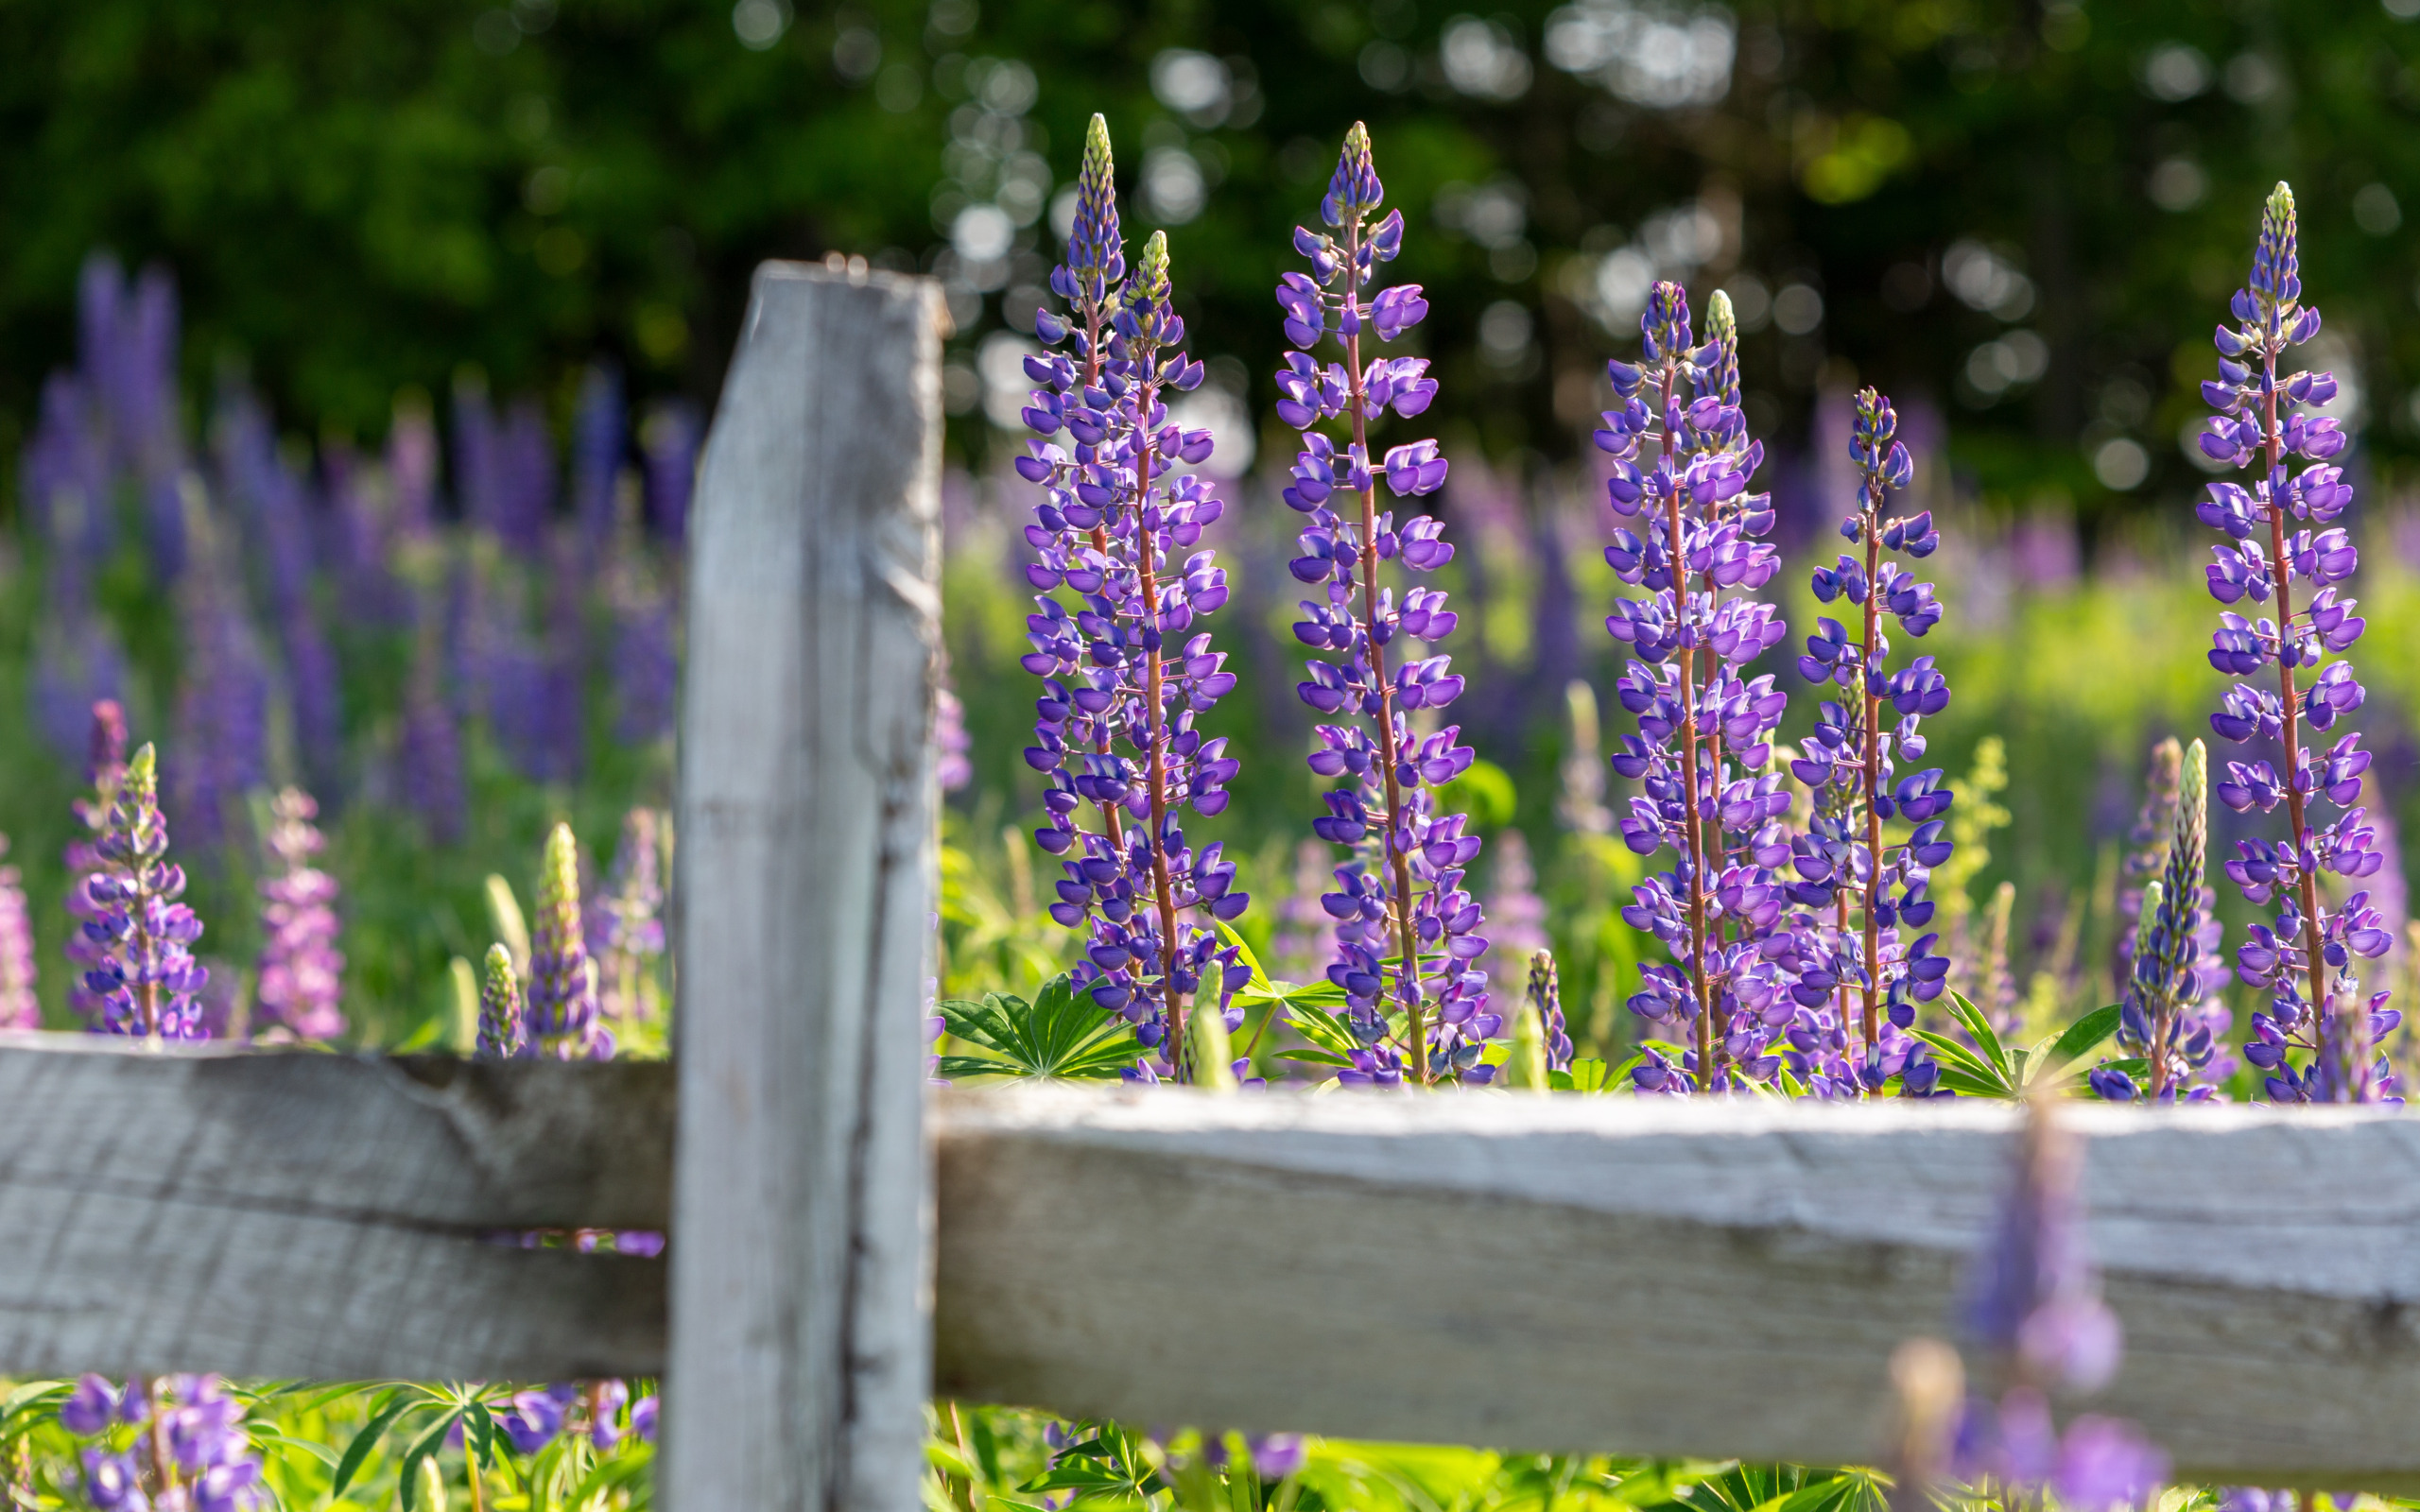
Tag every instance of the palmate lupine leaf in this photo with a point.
(1990, 1068)
(1058, 1037)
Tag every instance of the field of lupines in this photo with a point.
(302, 736)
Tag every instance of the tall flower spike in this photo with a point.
(2146, 850)
(2176, 968)
(104, 769)
(563, 978)
(503, 1035)
(147, 981)
(1406, 934)
(1545, 996)
(301, 971)
(1126, 670)
(19, 1008)
(2282, 529)
(1705, 742)
(2033, 1301)
(1852, 764)
(626, 931)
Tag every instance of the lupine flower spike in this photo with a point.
(2033, 1302)
(626, 931)
(503, 1035)
(563, 979)
(2175, 966)
(1852, 762)
(1406, 928)
(19, 1008)
(1705, 735)
(147, 981)
(104, 769)
(2306, 962)
(1121, 695)
(1545, 996)
(301, 972)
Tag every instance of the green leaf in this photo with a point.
(1973, 1076)
(363, 1442)
(1978, 1027)
(2082, 1038)
(425, 1445)
(1061, 1036)
(1316, 1057)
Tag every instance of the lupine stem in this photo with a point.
(1870, 1024)
(1155, 712)
(1693, 818)
(1416, 1027)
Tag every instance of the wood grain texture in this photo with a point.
(1609, 1275)
(799, 1293)
(322, 1215)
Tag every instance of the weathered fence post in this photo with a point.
(801, 1209)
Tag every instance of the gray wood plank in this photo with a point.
(1642, 1276)
(800, 1337)
(322, 1215)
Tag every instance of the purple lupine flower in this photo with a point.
(951, 743)
(147, 979)
(524, 480)
(430, 748)
(2033, 1300)
(2146, 853)
(77, 664)
(411, 473)
(646, 666)
(104, 770)
(670, 438)
(2032, 1294)
(301, 972)
(626, 924)
(221, 722)
(1303, 945)
(503, 1026)
(19, 1008)
(1516, 916)
(479, 476)
(1852, 764)
(562, 712)
(563, 979)
(1406, 928)
(2176, 965)
(1122, 692)
(598, 440)
(1704, 738)
(1546, 995)
(2306, 962)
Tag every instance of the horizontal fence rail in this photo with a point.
(1543, 1272)
(1657, 1278)
(325, 1215)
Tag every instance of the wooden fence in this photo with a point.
(1542, 1273)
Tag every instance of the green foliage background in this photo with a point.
(363, 197)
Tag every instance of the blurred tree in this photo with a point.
(2027, 211)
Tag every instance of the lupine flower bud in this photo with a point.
(1524, 1070)
(1211, 1054)
(563, 979)
(502, 1032)
(2032, 1293)
(1096, 252)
